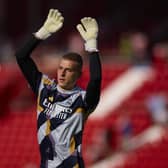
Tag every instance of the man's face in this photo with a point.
(67, 74)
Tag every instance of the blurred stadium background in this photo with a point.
(129, 127)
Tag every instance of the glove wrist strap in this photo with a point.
(42, 34)
(91, 45)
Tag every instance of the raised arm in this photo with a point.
(52, 24)
(27, 65)
(94, 84)
(89, 32)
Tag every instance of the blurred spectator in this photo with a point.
(125, 46)
(157, 104)
(139, 43)
(160, 52)
(159, 42)
(124, 128)
(6, 49)
(101, 145)
(75, 43)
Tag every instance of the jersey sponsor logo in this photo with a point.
(56, 110)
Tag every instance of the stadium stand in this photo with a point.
(18, 144)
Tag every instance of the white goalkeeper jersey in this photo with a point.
(60, 122)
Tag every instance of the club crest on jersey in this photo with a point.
(71, 99)
(56, 110)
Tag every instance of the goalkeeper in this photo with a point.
(62, 106)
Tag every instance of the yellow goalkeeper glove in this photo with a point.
(52, 24)
(89, 32)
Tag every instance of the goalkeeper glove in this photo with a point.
(52, 24)
(89, 32)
